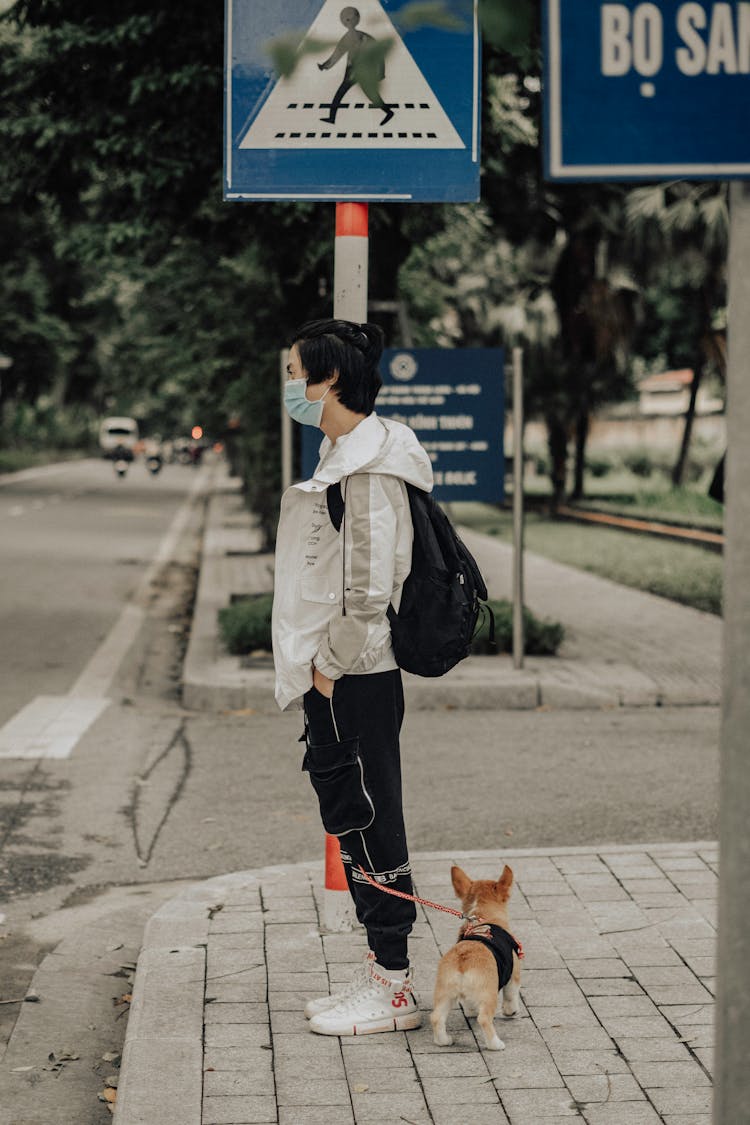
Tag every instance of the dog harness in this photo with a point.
(501, 945)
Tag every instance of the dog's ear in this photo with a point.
(505, 882)
(461, 881)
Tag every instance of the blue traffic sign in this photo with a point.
(454, 401)
(644, 91)
(377, 106)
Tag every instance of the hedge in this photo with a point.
(245, 627)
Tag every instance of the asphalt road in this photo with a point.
(152, 794)
(75, 542)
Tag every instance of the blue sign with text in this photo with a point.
(373, 103)
(454, 401)
(645, 91)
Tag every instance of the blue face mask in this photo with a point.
(298, 405)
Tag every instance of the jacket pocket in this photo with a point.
(337, 777)
(319, 588)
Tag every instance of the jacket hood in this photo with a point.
(376, 445)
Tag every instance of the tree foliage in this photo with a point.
(128, 284)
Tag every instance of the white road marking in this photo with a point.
(49, 727)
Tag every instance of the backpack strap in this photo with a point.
(335, 502)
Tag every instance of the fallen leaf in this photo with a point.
(18, 1069)
(112, 948)
(360, 1088)
(110, 1095)
(124, 999)
(112, 1056)
(112, 1081)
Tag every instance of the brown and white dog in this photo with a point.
(484, 960)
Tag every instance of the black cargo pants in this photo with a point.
(354, 761)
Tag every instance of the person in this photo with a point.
(332, 648)
(363, 67)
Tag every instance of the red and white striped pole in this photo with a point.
(349, 303)
(350, 262)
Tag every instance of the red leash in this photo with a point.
(411, 898)
(434, 905)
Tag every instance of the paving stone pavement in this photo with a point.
(615, 1025)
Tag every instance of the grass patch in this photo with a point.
(679, 571)
(683, 506)
(623, 492)
(245, 627)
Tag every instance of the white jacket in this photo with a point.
(367, 561)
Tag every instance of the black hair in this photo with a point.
(353, 350)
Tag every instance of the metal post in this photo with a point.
(286, 428)
(518, 639)
(349, 303)
(732, 1092)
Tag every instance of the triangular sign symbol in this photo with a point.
(323, 109)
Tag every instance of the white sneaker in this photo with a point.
(380, 1003)
(360, 977)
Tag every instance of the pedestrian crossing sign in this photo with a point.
(375, 102)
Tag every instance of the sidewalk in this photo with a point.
(616, 1021)
(615, 1026)
(622, 647)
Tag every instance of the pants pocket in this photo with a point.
(337, 777)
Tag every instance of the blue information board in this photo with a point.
(643, 91)
(454, 401)
(378, 106)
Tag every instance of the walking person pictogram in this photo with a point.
(364, 67)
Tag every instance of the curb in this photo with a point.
(481, 683)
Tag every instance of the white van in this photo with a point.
(117, 433)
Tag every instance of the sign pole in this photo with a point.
(732, 1093)
(350, 262)
(349, 303)
(518, 640)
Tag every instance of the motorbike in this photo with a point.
(154, 462)
(121, 459)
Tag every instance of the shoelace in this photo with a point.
(368, 992)
(360, 978)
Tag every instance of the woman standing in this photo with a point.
(332, 647)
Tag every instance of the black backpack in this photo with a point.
(442, 597)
